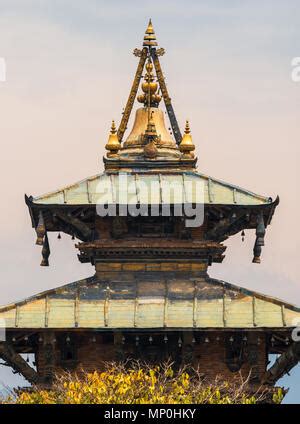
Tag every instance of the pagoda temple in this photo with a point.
(151, 225)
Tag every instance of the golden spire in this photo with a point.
(150, 38)
(187, 146)
(113, 144)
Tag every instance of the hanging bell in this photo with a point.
(27, 360)
(166, 339)
(150, 339)
(179, 342)
(243, 235)
(59, 236)
(73, 237)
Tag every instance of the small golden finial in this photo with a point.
(187, 146)
(113, 144)
(151, 130)
(150, 38)
(150, 137)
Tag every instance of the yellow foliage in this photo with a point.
(140, 385)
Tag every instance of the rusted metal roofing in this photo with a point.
(149, 302)
(186, 187)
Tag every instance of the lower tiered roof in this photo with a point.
(131, 300)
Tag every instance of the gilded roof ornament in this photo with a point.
(187, 146)
(150, 38)
(113, 145)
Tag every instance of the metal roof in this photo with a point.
(151, 188)
(149, 302)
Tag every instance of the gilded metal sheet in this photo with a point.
(239, 313)
(120, 313)
(32, 314)
(209, 313)
(173, 188)
(61, 313)
(149, 303)
(268, 314)
(91, 314)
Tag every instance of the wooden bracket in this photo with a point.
(75, 222)
(19, 365)
(283, 364)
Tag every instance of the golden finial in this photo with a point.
(113, 144)
(187, 146)
(149, 86)
(150, 38)
(150, 29)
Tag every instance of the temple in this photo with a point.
(151, 225)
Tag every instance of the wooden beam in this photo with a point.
(75, 222)
(283, 364)
(15, 360)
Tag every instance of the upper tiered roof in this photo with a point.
(160, 168)
(150, 153)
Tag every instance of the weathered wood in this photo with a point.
(16, 361)
(75, 222)
(283, 364)
(49, 356)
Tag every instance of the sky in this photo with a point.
(69, 69)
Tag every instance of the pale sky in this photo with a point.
(69, 68)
